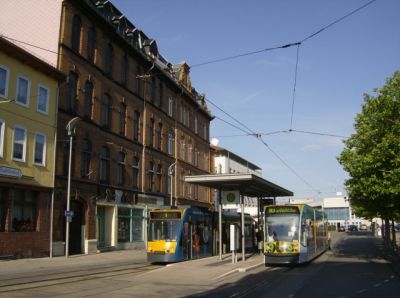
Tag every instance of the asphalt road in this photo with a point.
(355, 267)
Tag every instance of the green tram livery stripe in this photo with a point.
(282, 210)
(166, 215)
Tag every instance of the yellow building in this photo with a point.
(28, 118)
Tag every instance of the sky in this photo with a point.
(335, 68)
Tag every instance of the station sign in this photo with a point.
(230, 197)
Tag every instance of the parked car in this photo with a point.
(352, 228)
(341, 229)
(363, 227)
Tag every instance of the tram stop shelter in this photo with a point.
(247, 184)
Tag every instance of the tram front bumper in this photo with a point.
(271, 259)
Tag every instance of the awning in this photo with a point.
(248, 184)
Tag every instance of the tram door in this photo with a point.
(186, 241)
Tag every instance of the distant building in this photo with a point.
(28, 121)
(338, 209)
(227, 162)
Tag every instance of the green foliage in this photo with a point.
(372, 154)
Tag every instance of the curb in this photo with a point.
(240, 269)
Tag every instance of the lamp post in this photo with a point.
(70, 131)
(171, 174)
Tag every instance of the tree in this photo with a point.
(372, 154)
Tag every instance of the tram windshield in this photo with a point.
(282, 227)
(163, 230)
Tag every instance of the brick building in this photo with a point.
(140, 117)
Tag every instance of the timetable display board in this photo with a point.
(272, 210)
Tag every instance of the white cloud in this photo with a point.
(311, 148)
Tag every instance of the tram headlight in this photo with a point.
(284, 246)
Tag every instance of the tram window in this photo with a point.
(163, 230)
(282, 228)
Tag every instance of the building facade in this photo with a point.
(227, 162)
(28, 115)
(142, 128)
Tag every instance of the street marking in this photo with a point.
(361, 291)
(377, 285)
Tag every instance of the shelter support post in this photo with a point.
(243, 237)
(220, 224)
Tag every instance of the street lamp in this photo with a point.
(171, 174)
(70, 131)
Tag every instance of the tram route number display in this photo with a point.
(282, 210)
(166, 215)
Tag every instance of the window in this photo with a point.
(153, 88)
(43, 99)
(40, 149)
(2, 125)
(170, 148)
(189, 152)
(24, 211)
(135, 172)
(182, 148)
(150, 176)
(23, 89)
(91, 44)
(88, 100)
(180, 185)
(196, 129)
(136, 117)
(151, 132)
(72, 90)
(196, 192)
(106, 111)
(138, 81)
(124, 69)
(196, 156)
(3, 205)
(108, 61)
(86, 155)
(19, 147)
(122, 119)
(170, 106)
(169, 180)
(160, 94)
(158, 136)
(159, 178)
(130, 225)
(104, 165)
(121, 168)
(76, 33)
(4, 73)
(205, 133)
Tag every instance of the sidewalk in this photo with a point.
(206, 269)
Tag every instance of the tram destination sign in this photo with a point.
(165, 215)
(282, 210)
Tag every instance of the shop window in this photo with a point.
(130, 225)
(3, 212)
(24, 211)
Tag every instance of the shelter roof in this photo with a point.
(248, 184)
